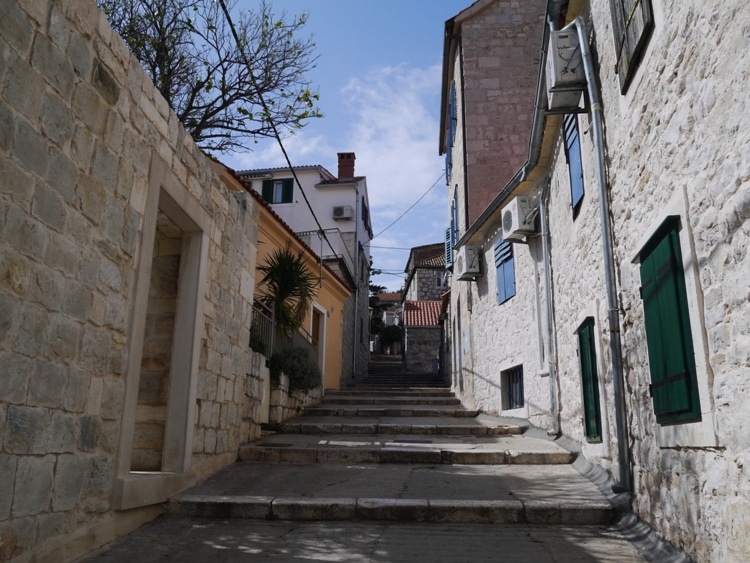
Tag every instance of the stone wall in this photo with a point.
(677, 145)
(424, 285)
(500, 52)
(86, 147)
(505, 335)
(422, 349)
(285, 405)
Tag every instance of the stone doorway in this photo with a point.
(154, 455)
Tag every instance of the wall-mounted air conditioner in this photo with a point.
(467, 265)
(342, 212)
(564, 69)
(518, 218)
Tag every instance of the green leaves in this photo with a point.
(214, 83)
(288, 286)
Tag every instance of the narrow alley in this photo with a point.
(388, 471)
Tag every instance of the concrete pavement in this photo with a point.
(395, 475)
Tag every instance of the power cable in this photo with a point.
(321, 231)
(410, 207)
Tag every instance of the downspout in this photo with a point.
(356, 282)
(551, 347)
(615, 347)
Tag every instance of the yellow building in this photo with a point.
(323, 325)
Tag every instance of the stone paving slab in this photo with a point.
(395, 400)
(436, 493)
(392, 411)
(477, 426)
(406, 448)
(202, 540)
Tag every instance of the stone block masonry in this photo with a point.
(89, 151)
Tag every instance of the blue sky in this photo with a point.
(379, 77)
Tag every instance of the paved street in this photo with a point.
(387, 472)
(196, 539)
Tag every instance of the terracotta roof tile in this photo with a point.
(393, 296)
(437, 261)
(422, 313)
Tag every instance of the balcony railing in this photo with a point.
(315, 240)
(263, 328)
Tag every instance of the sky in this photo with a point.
(379, 77)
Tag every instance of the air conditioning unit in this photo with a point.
(342, 212)
(564, 69)
(467, 265)
(518, 219)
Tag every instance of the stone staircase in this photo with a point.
(399, 453)
(389, 371)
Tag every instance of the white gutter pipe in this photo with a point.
(615, 346)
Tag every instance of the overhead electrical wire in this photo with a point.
(321, 231)
(412, 206)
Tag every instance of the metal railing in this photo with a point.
(340, 250)
(263, 329)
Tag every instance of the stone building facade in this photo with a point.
(674, 161)
(126, 283)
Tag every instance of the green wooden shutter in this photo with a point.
(287, 191)
(670, 346)
(267, 192)
(632, 24)
(589, 381)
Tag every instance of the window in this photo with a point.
(674, 386)
(441, 280)
(592, 418)
(512, 387)
(573, 156)
(451, 136)
(632, 24)
(278, 191)
(451, 233)
(506, 278)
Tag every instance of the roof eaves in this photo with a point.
(259, 199)
(538, 131)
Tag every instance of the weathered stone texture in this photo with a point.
(79, 124)
(676, 144)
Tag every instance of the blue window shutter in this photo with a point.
(448, 248)
(506, 280)
(575, 164)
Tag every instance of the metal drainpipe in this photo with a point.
(356, 282)
(615, 347)
(551, 364)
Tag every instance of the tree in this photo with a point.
(188, 50)
(376, 289)
(288, 287)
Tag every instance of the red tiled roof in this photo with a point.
(437, 261)
(422, 313)
(393, 296)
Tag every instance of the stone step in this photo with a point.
(405, 448)
(402, 382)
(381, 391)
(419, 426)
(425, 493)
(394, 400)
(390, 410)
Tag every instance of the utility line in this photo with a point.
(410, 207)
(321, 231)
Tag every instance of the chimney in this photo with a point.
(346, 164)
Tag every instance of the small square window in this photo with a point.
(278, 191)
(512, 388)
